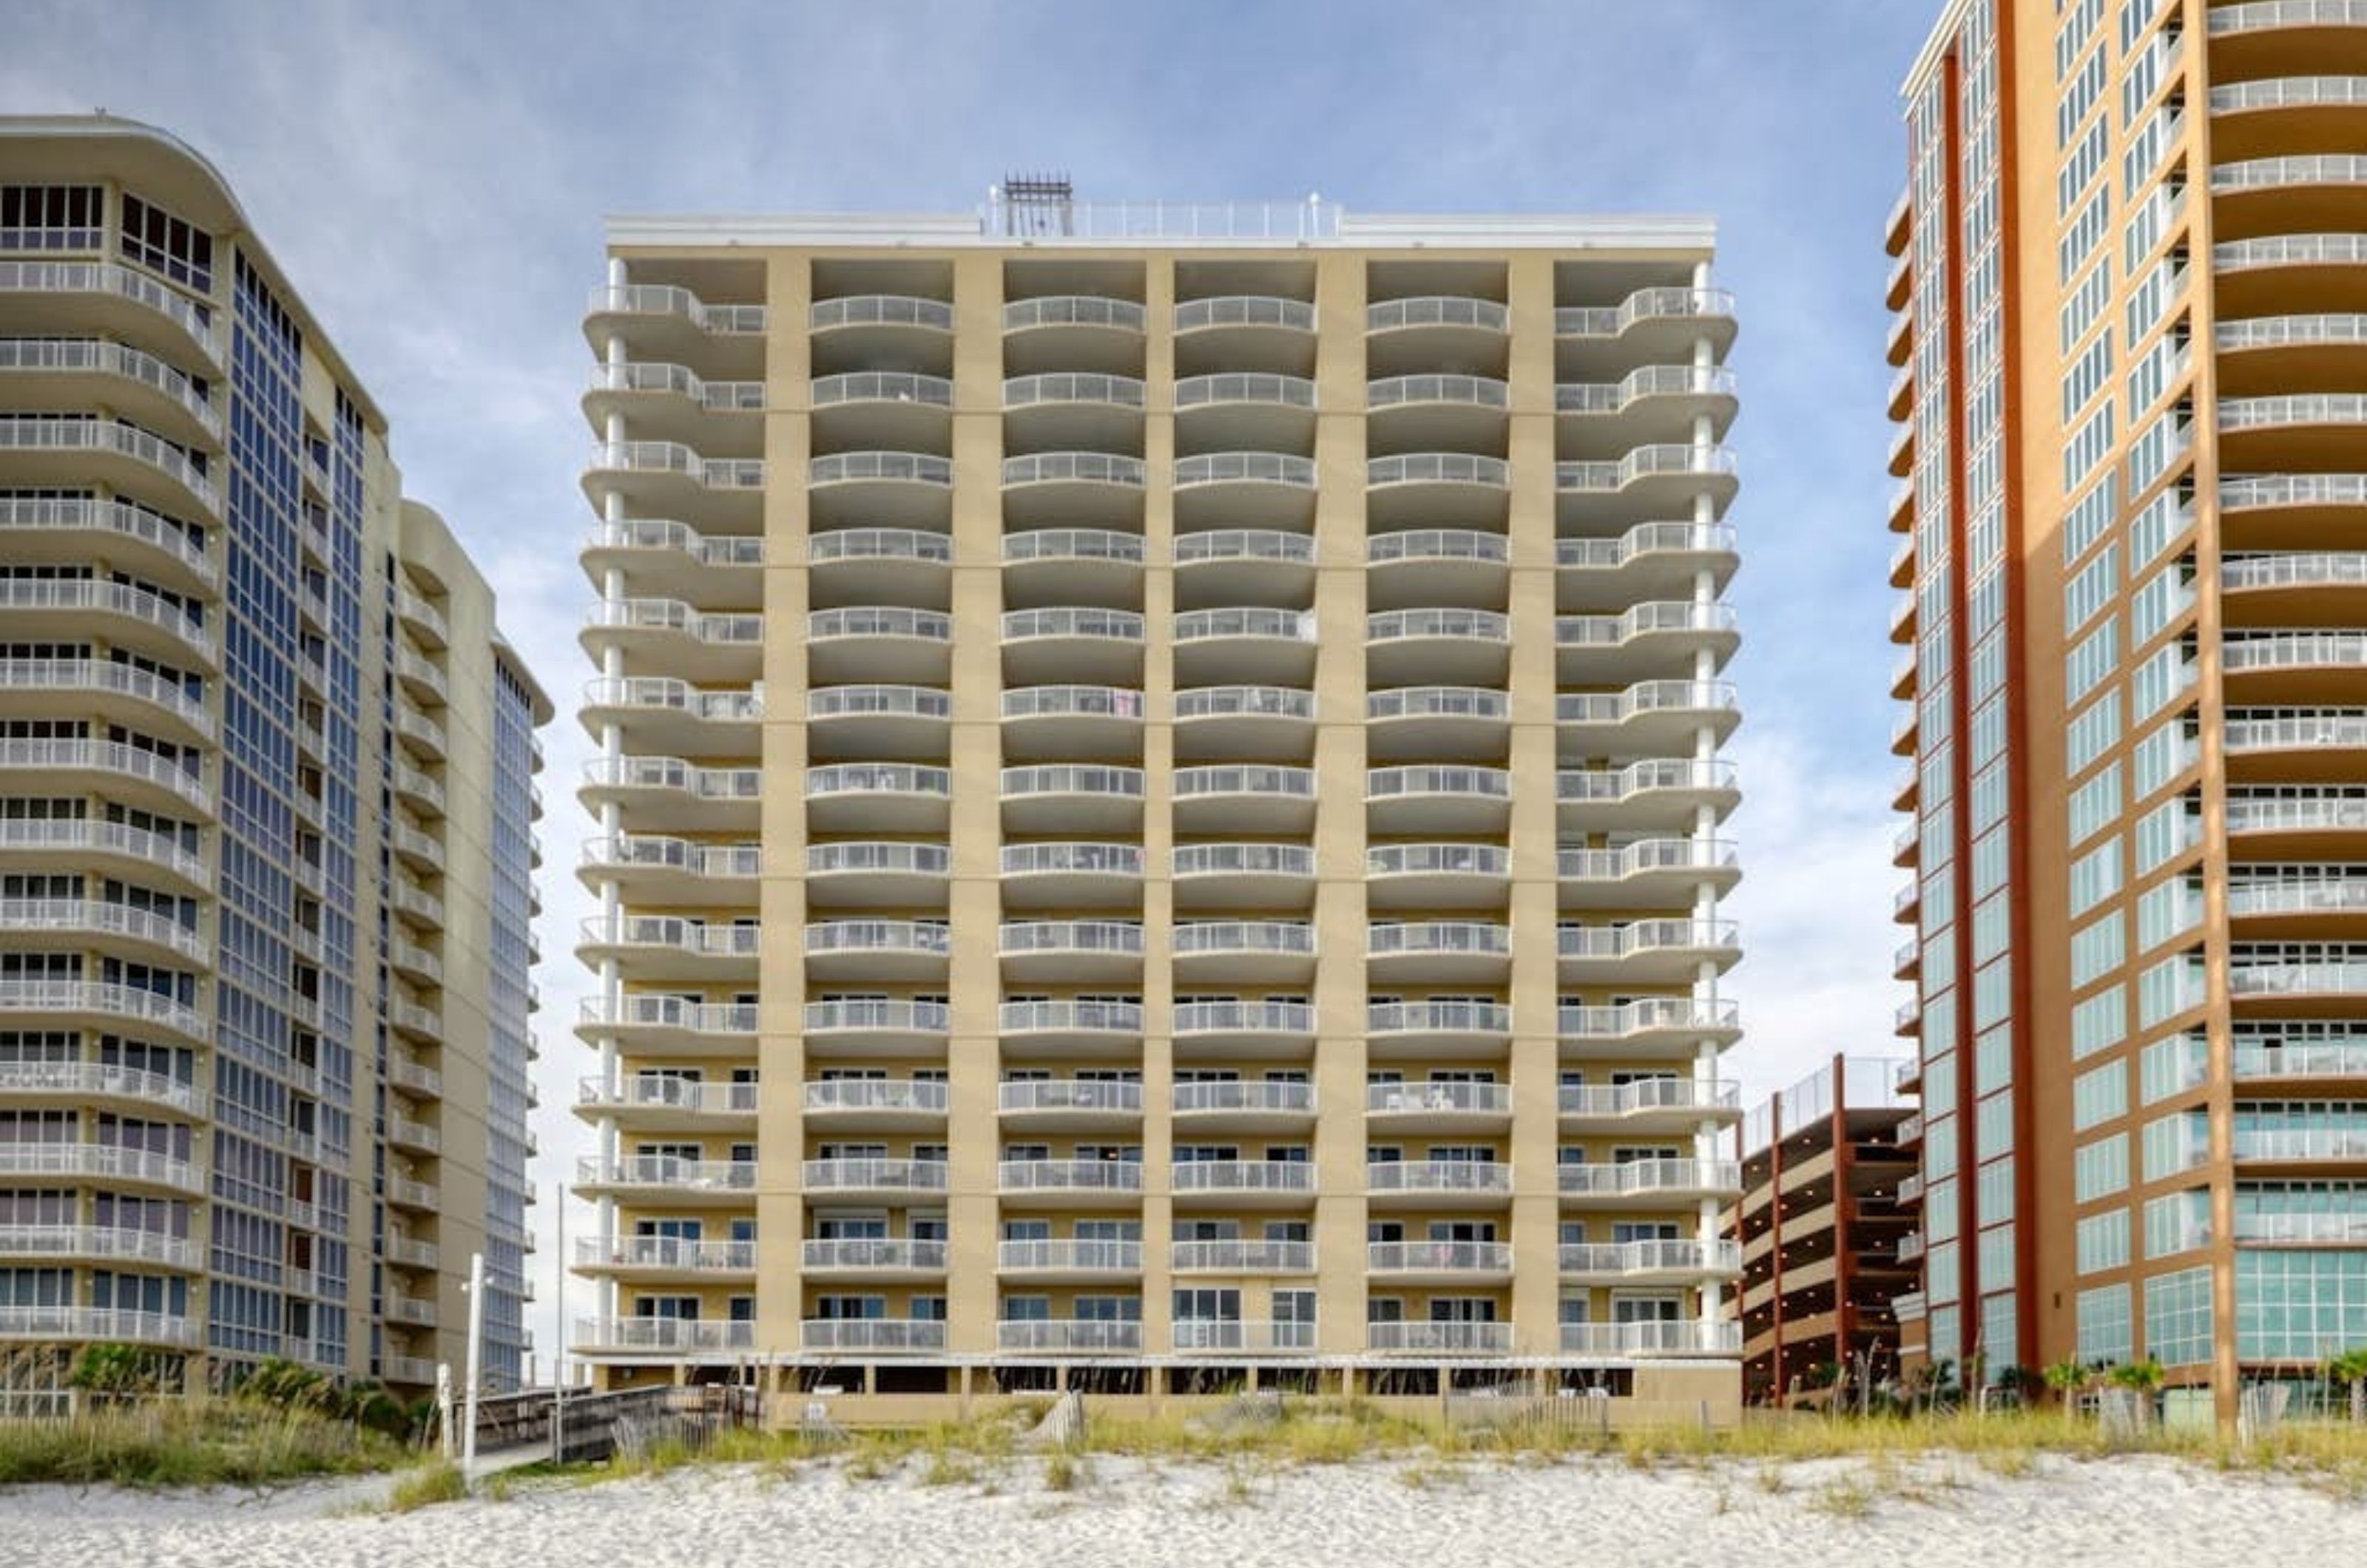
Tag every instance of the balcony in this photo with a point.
(875, 1335)
(53, 1323)
(666, 479)
(877, 950)
(879, 644)
(669, 1026)
(1418, 567)
(1242, 1183)
(1647, 482)
(1471, 648)
(103, 1006)
(117, 300)
(665, 1336)
(666, 793)
(1251, 332)
(1399, 1030)
(1657, 638)
(877, 876)
(1071, 950)
(1675, 1337)
(1665, 793)
(1241, 1256)
(866, 1027)
(1458, 801)
(649, 1102)
(666, 1258)
(1260, 876)
(883, 798)
(879, 722)
(1260, 1030)
(1055, 722)
(132, 618)
(1438, 1107)
(1242, 1106)
(1439, 1338)
(1081, 1029)
(1071, 566)
(1070, 1106)
(672, 403)
(108, 1165)
(693, 644)
(1069, 1183)
(673, 718)
(1648, 874)
(650, 869)
(1666, 1106)
(1244, 566)
(2299, 1059)
(1245, 799)
(1662, 716)
(882, 489)
(99, 1246)
(1650, 403)
(1436, 413)
(1257, 491)
(1437, 876)
(1072, 797)
(1235, 1337)
(109, 693)
(1084, 643)
(133, 462)
(1243, 950)
(2294, 901)
(1438, 951)
(1438, 1262)
(884, 1258)
(877, 329)
(2309, 194)
(876, 1105)
(1070, 1262)
(115, 930)
(1225, 722)
(882, 1179)
(1244, 411)
(1073, 412)
(1453, 490)
(98, 1084)
(1661, 324)
(657, 319)
(878, 566)
(1087, 1337)
(69, 528)
(1236, 645)
(1072, 488)
(1647, 1181)
(1651, 951)
(1428, 1183)
(882, 411)
(136, 776)
(1074, 875)
(1419, 332)
(1072, 330)
(1437, 723)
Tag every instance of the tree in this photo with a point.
(115, 1372)
(2144, 1376)
(2066, 1377)
(2351, 1368)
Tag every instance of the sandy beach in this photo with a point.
(1940, 1510)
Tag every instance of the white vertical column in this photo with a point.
(612, 747)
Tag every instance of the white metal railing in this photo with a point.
(1645, 697)
(1244, 387)
(86, 355)
(1470, 391)
(2298, 1059)
(112, 1243)
(690, 1334)
(1419, 1097)
(1242, 1175)
(1069, 778)
(1067, 621)
(1019, 937)
(1072, 311)
(664, 299)
(1646, 381)
(865, 1175)
(1117, 1096)
(1438, 1176)
(106, 278)
(669, 1012)
(2294, 568)
(931, 938)
(1440, 1338)
(2269, 174)
(1635, 1178)
(2291, 650)
(879, 620)
(677, 1252)
(1393, 783)
(1401, 625)
(97, 1080)
(1438, 468)
(673, 457)
(902, 467)
(1068, 1175)
(911, 860)
(99, 1162)
(2256, 490)
(1438, 1257)
(103, 996)
(1643, 463)
(1089, 1255)
(100, 917)
(663, 693)
(1478, 703)
(2333, 1143)
(2279, 332)
(1044, 1336)
(2309, 1230)
(2321, 895)
(873, 544)
(2246, 731)
(1242, 859)
(1244, 310)
(1607, 785)
(111, 1324)
(1645, 856)
(877, 778)
(920, 1097)
(648, 853)
(673, 773)
(1438, 1018)
(1203, 938)
(1073, 467)
(1246, 1256)
(2258, 975)
(1658, 618)
(1073, 545)
(884, 1334)
(107, 756)
(1072, 702)
(879, 310)
(2303, 408)
(654, 1091)
(1245, 467)
(1644, 305)
(1643, 936)
(1202, 625)
(2290, 250)
(1069, 1018)
(741, 629)
(1244, 702)
(1242, 1096)
(874, 1253)
(116, 679)
(121, 518)
(882, 386)
(1672, 1336)
(825, 703)
(1438, 860)
(1297, 784)
(1646, 1095)
(877, 1016)
(677, 380)
(1432, 545)
(1072, 386)
(1220, 1335)
(1243, 1018)
(1071, 860)
(1437, 311)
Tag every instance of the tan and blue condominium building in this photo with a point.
(1159, 793)
(266, 805)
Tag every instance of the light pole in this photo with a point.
(476, 1334)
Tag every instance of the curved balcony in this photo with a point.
(2266, 902)
(1435, 951)
(881, 565)
(644, 1026)
(1647, 482)
(1437, 566)
(651, 947)
(107, 1164)
(886, 722)
(883, 1179)
(67, 529)
(112, 929)
(72, 452)
(649, 869)
(1072, 1106)
(1244, 566)
(1657, 1028)
(2306, 823)
(655, 713)
(1072, 566)
(2280, 271)
(1661, 324)
(1664, 952)
(1072, 1029)
(1068, 1261)
(1436, 413)
(1437, 723)
(1663, 792)
(117, 300)
(886, 643)
(1458, 489)
(667, 478)
(59, 372)
(1234, 722)
(695, 645)
(1471, 648)
(1243, 950)
(1436, 1183)
(1455, 801)
(1237, 411)
(2310, 431)
(99, 1085)
(2261, 667)
(1083, 643)
(649, 1102)
(1663, 717)
(1251, 799)
(1072, 797)
(1242, 1183)
(1244, 1257)
(1402, 1031)
(666, 793)
(1043, 723)
(673, 403)
(1073, 331)
(71, 845)
(1437, 876)
(1069, 1183)
(1071, 950)
(887, 489)
(53, 1324)
(877, 1027)
(894, 875)
(1648, 1181)
(1438, 1262)
(1244, 332)
(133, 774)
(1232, 646)
(667, 1337)
(1071, 874)
(412, 787)
(1671, 1106)
(2309, 193)
(1265, 1030)
(1440, 1107)
(880, 1259)
(665, 1257)
(863, 330)
(1246, 1107)
(102, 1246)
(2266, 355)
(1652, 403)
(1073, 412)
(878, 798)
(1243, 876)
(1427, 332)
(109, 693)
(665, 322)
(876, 1105)
(1648, 874)
(882, 411)
(1072, 488)
(1660, 638)
(877, 950)
(1244, 489)
(2294, 588)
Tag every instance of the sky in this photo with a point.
(433, 176)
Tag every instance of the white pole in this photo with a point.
(558, 1380)
(476, 1334)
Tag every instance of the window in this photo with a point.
(2100, 1096)
(2095, 804)
(50, 217)
(2103, 1242)
(2104, 1330)
(2100, 1022)
(2095, 877)
(2100, 1167)
(2177, 1222)
(2172, 1067)
(2177, 1317)
(2091, 589)
(163, 243)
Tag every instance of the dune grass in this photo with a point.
(195, 1442)
(441, 1482)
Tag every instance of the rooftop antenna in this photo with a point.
(1037, 205)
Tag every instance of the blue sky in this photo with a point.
(433, 176)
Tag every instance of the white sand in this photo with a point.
(1940, 1511)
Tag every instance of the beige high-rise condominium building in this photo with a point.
(266, 798)
(1159, 800)
(2133, 388)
